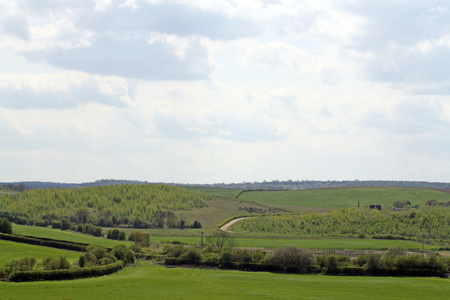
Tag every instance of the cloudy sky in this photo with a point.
(199, 91)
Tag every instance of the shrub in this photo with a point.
(140, 238)
(56, 224)
(361, 260)
(174, 251)
(226, 258)
(373, 264)
(5, 226)
(192, 256)
(60, 263)
(220, 239)
(293, 258)
(332, 264)
(98, 251)
(41, 223)
(122, 253)
(65, 224)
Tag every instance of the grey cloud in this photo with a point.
(172, 18)
(27, 98)
(392, 30)
(129, 57)
(16, 25)
(409, 118)
(402, 21)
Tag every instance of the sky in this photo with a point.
(224, 91)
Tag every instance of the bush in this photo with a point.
(56, 224)
(140, 238)
(373, 264)
(220, 239)
(5, 226)
(293, 258)
(122, 253)
(41, 223)
(60, 263)
(174, 251)
(192, 255)
(98, 251)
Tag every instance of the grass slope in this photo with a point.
(65, 235)
(218, 210)
(157, 282)
(345, 197)
(11, 251)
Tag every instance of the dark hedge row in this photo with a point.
(80, 247)
(96, 271)
(242, 266)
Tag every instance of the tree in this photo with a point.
(140, 238)
(293, 258)
(196, 224)
(220, 239)
(5, 226)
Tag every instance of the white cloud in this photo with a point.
(62, 91)
(221, 91)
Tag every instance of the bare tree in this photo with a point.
(220, 239)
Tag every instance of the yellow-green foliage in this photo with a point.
(433, 223)
(120, 201)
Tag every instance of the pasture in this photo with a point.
(65, 235)
(194, 238)
(12, 251)
(157, 282)
(345, 197)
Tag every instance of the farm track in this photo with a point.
(232, 222)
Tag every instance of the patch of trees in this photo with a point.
(314, 184)
(358, 222)
(140, 206)
(433, 202)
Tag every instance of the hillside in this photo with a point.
(346, 197)
(140, 206)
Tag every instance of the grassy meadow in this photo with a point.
(249, 242)
(345, 197)
(12, 251)
(147, 280)
(58, 234)
(157, 282)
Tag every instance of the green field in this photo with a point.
(156, 282)
(345, 197)
(11, 251)
(195, 239)
(65, 235)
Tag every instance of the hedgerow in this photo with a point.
(20, 276)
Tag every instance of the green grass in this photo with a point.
(218, 210)
(11, 251)
(345, 197)
(157, 282)
(195, 239)
(302, 243)
(65, 235)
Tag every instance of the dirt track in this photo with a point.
(226, 226)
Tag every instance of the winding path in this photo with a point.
(227, 225)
